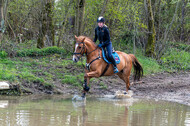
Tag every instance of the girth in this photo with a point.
(107, 66)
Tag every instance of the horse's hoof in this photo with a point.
(83, 95)
(125, 93)
(122, 95)
(78, 98)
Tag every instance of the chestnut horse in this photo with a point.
(96, 66)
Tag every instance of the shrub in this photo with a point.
(149, 65)
(40, 52)
(3, 54)
(175, 59)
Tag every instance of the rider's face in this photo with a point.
(100, 24)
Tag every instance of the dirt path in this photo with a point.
(173, 87)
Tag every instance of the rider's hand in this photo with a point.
(99, 45)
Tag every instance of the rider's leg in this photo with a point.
(109, 50)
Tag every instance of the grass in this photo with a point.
(40, 52)
(180, 46)
(149, 65)
(175, 59)
(44, 67)
(103, 86)
(70, 79)
(52, 65)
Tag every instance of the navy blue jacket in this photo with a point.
(103, 35)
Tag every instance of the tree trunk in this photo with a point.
(1, 19)
(62, 29)
(152, 33)
(182, 21)
(80, 16)
(41, 36)
(50, 26)
(42, 26)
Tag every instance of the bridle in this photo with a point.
(97, 58)
(84, 49)
(87, 53)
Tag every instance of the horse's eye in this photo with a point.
(79, 47)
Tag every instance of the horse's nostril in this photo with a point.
(75, 60)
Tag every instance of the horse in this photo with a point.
(97, 67)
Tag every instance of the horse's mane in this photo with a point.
(88, 39)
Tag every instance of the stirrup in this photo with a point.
(115, 70)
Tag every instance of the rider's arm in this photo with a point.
(95, 38)
(107, 36)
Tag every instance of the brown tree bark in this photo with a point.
(50, 25)
(42, 26)
(1, 18)
(42, 31)
(152, 33)
(80, 7)
(46, 24)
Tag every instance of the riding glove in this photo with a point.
(99, 45)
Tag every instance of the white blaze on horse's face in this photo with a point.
(75, 58)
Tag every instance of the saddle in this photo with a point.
(114, 54)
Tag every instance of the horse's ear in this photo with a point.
(83, 40)
(76, 37)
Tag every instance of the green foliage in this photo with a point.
(48, 85)
(3, 54)
(149, 65)
(70, 79)
(103, 86)
(176, 59)
(180, 46)
(40, 52)
(7, 73)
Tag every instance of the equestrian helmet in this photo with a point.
(101, 19)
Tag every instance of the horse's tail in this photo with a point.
(138, 70)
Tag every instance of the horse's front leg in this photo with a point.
(87, 78)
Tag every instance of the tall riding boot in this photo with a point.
(114, 65)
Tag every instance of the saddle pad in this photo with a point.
(115, 56)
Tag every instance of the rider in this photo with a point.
(102, 34)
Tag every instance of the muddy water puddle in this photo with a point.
(62, 111)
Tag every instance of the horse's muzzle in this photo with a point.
(75, 58)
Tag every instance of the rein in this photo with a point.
(88, 64)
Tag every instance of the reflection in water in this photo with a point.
(56, 111)
(4, 103)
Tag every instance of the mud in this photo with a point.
(173, 87)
